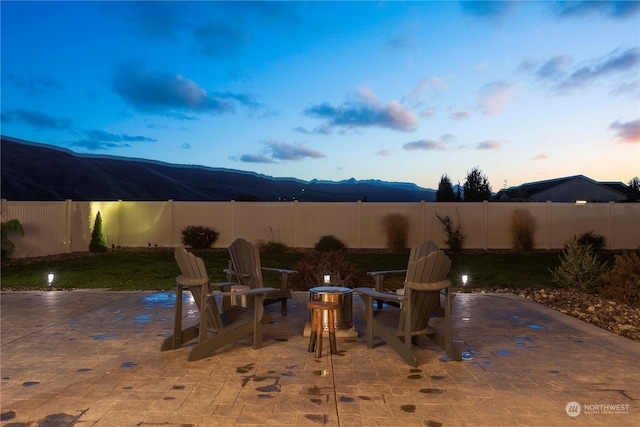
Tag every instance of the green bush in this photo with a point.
(522, 230)
(579, 269)
(622, 282)
(312, 268)
(396, 228)
(455, 238)
(329, 243)
(199, 237)
(98, 241)
(272, 247)
(10, 227)
(597, 241)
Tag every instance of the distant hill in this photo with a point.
(33, 171)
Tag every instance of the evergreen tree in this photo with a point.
(476, 187)
(98, 241)
(445, 190)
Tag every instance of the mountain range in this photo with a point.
(35, 171)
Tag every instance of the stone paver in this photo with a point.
(92, 358)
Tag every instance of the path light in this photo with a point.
(50, 278)
(327, 278)
(465, 279)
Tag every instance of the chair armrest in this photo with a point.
(243, 292)
(433, 286)
(377, 273)
(387, 296)
(221, 284)
(279, 270)
(184, 281)
(230, 272)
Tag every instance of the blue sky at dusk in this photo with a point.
(396, 91)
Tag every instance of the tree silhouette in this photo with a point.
(445, 191)
(476, 187)
(98, 241)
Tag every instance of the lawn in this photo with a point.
(156, 269)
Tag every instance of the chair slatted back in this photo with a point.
(194, 277)
(422, 250)
(426, 277)
(245, 258)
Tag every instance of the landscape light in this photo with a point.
(465, 279)
(327, 278)
(50, 278)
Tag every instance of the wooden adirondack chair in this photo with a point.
(226, 327)
(416, 253)
(245, 267)
(426, 278)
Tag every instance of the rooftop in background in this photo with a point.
(569, 189)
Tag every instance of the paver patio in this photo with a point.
(92, 358)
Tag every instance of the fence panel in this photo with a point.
(45, 228)
(217, 215)
(65, 226)
(315, 219)
(255, 221)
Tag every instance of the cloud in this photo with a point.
(615, 62)
(554, 68)
(365, 111)
(163, 92)
(427, 112)
(424, 144)
(158, 20)
(186, 146)
(255, 158)
(459, 115)
(494, 96)
(36, 119)
(627, 132)
(33, 85)
(401, 40)
(101, 140)
(218, 40)
(540, 157)
(320, 130)
(486, 9)
(612, 9)
(284, 151)
(430, 87)
(558, 70)
(489, 145)
(277, 150)
(384, 153)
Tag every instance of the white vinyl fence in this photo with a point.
(62, 227)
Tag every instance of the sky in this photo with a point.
(388, 90)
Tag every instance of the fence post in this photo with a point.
(612, 225)
(359, 210)
(171, 224)
(296, 223)
(67, 225)
(485, 214)
(548, 236)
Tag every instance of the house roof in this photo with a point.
(528, 191)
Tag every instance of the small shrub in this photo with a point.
(329, 243)
(579, 268)
(272, 247)
(597, 241)
(622, 282)
(199, 237)
(98, 241)
(312, 268)
(455, 238)
(396, 228)
(522, 229)
(10, 227)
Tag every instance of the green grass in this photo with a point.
(157, 269)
